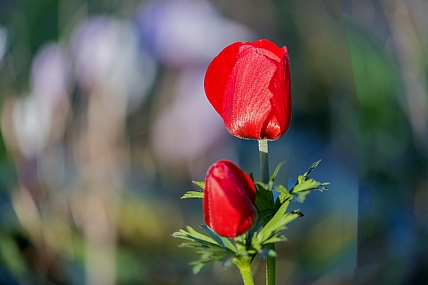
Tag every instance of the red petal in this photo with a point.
(245, 180)
(248, 84)
(246, 103)
(268, 45)
(229, 199)
(279, 120)
(218, 73)
(281, 101)
(206, 205)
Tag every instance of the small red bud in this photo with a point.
(229, 200)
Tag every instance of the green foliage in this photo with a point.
(195, 194)
(275, 173)
(264, 198)
(268, 229)
(272, 231)
(214, 248)
(201, 184)
(305, 184)
(192, 194)
(284, 194)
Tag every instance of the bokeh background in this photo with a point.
(104, 124)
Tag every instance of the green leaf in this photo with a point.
(195, 194)
(200, 184)
(312, 167)
(274, 223)
(268, 229)
(284, 194)
(308, 185)
(192, 194)
(275, 173)
(281, 189)
(194, 236)
(275, 239)
(197, 266)
(264, 198)
(225, 242)
(213, 235)
(210, 255)
(211, 248)
(263, 218)
(271, 232)
(200, 236)
(241, 244)
(304, 185)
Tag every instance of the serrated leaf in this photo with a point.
(308, 185)
(272, 230)
(303, 185)
(240, 241)
(312, 167)
(262, 219)
(284, 194)
(268, 229)
(213, 235)
(282, 189)
(225, 242)
(279, 226)
(289, 217)
(194, 236)
(192, 194)
(209, 255)
(200, 236)
(275, 239)
(200, 184)
(273, 224)
(275, 173)
(264, 198)
(211, 249)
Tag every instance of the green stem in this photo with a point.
(244, 265)
(264, 160)
(264, 170)
(270, 266)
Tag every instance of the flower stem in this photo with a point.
(244, 266)
(264, 160)
(264, 170)
(270, 266)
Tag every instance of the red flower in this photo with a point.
(248, 84)
(229, 199)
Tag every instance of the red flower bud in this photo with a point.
(229, 199)
(248, 84)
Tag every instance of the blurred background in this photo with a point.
(104, 124)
